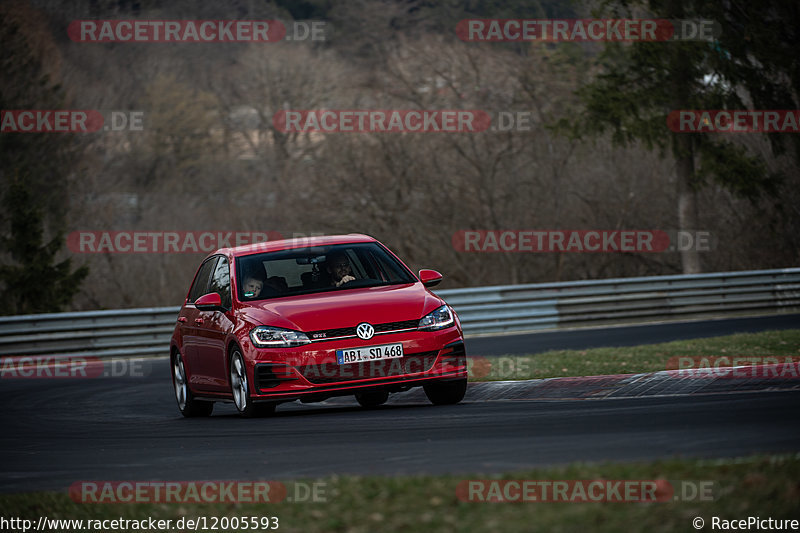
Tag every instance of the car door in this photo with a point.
(213, 330)
(189, 320)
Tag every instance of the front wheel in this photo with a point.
(446, 392)
(241, 390)
(187, 404)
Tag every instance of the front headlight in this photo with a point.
(269, 337)
(439, 319)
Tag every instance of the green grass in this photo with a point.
(765, 486)
(634, 359)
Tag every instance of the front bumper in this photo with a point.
(311, 372)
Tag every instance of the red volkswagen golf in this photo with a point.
(309, 319)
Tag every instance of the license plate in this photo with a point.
(369, 353)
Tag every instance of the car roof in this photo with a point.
(296, 242)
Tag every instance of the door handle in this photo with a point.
(198, 320)
(181, 319)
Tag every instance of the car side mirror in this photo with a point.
(429, 278)
(209, 302)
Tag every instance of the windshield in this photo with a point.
(317, 269)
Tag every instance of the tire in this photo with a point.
(372, 399)
(240, 388)
(446, 392)
(187, 404)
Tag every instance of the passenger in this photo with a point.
(256, 283)
(252, 286)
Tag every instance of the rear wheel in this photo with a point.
(372, 399)
(446, 392)
(187, 404)
(241, 390)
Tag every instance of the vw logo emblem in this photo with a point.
(365, 331)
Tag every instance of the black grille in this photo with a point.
(330, 333)
(268, 375)
(458, 349)
(351, 331)
(333, 373)
(391, 326)
(457, 356)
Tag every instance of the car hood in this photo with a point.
(346, 308)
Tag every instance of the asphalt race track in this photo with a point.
(57, 432)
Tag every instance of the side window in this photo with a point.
(221, 282)
(200, 286)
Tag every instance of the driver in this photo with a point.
(339, 268)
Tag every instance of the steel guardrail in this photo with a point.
(496, 309)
